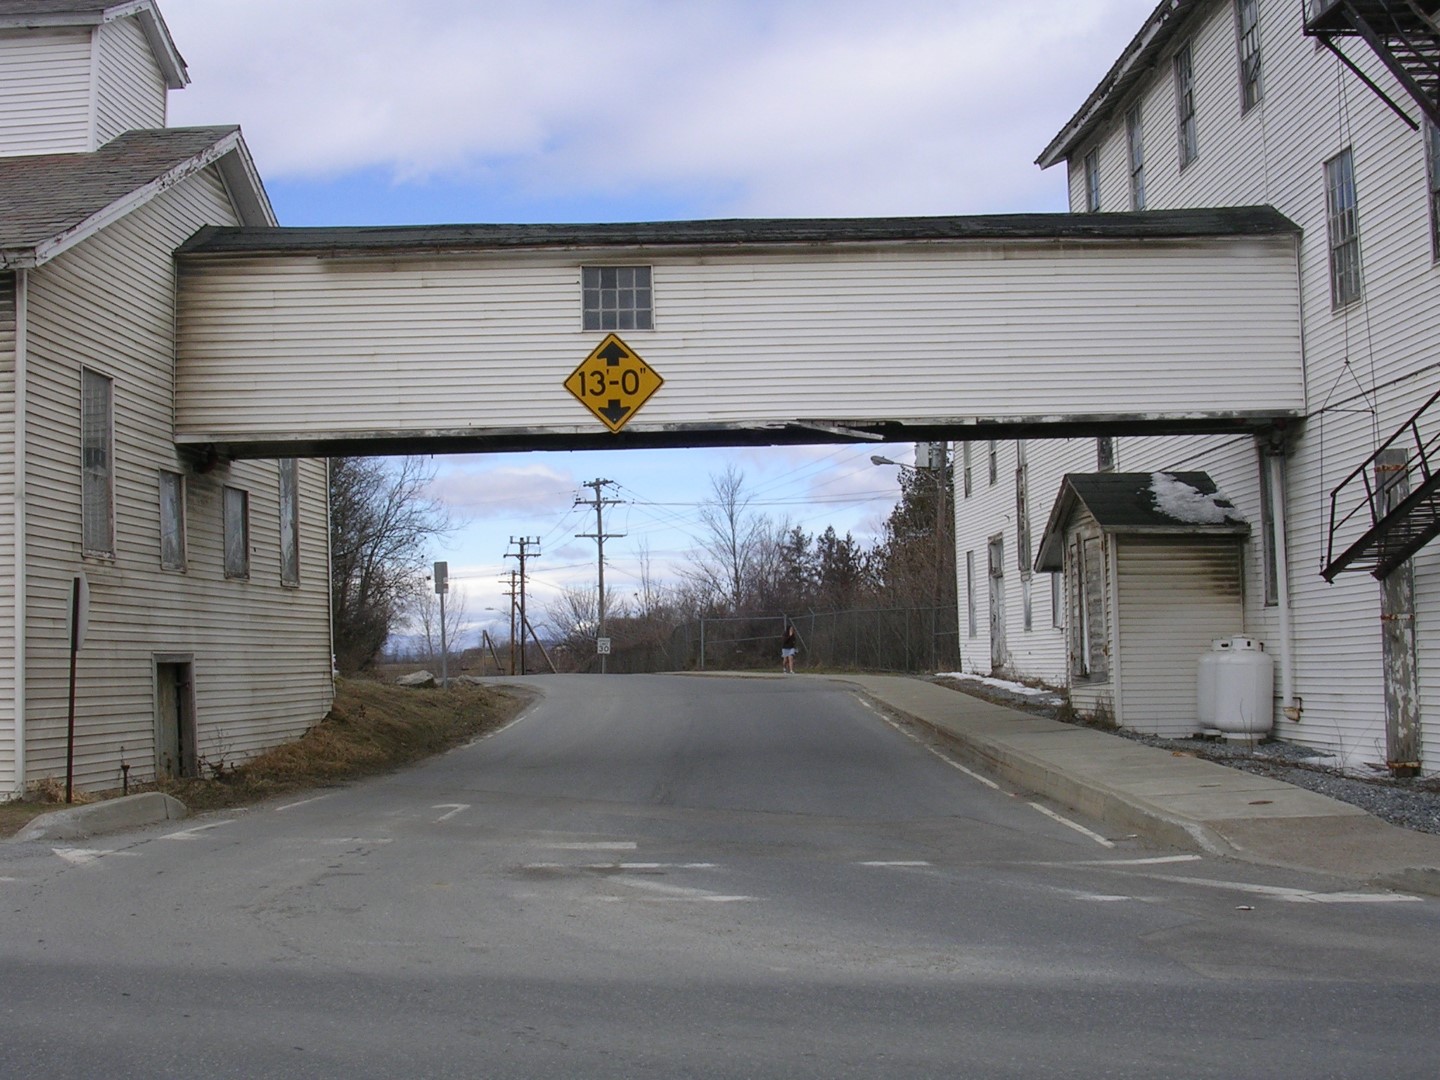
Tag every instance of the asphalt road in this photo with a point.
(669, 877)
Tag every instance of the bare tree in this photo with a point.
(733, 545)
(425, 609)
(382, 520)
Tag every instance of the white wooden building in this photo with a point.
(1229, 102)
(208, 633)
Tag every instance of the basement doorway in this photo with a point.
(175, 716)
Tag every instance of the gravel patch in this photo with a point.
(1412, 804)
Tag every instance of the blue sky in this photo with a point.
(365, 112)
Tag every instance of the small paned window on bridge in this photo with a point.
(616, 298)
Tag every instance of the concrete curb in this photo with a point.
(112, 815)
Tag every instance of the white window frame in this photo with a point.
(1342, 229)
(172, 520)
(1247, 47)
(1092, 181)
(1135, 152)
(235, 508)
(1185, 125)
(289, 523)
(97, 464)
(617, 298)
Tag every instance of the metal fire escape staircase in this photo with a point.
(1394, 498)
(1403, 34)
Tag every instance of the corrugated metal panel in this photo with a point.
(132, 91)
(7, 534)
(1368, 366)
(45, 98)
(261, 651)
(999, 330)
(1172, 598)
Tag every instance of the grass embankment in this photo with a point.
(373, 728)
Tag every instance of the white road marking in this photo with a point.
(594, 845)
(1102, 898)
(679, 892)
(1295, 896)
(453, 807)
(1154, 860)
(897, 862)
(82, 856)
(943, 757)
(302, 802)
(1052, 815)
(8, 880)
(196, 830)
(621, 866)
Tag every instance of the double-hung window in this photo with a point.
(1247, 36)
(1092, 181)
(172, 520)
(616, 298)
(97, 463)
(237, 533)
(1185, 106)
(1342, 227)
(289, 522)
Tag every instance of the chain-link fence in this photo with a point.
(905, 639)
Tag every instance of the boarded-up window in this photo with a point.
(1432, 169)
(994, 456)
(1185, 106)
(237, 533)
(1087, 615)
(289, 522)
(172, 520)
(1092, 181)
(97, 463)
(966, 471)
(1135, 144)
(1105, 453)
(970, 610)
(617, 298)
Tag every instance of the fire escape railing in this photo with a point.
(1403, 34)
(1391, 535)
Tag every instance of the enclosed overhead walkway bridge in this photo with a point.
(318, 342)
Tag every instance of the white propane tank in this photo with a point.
(1244, 691)
(1207, 680)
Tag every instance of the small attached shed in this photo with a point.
(1153, 566)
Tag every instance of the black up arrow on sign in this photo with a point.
(613, 382)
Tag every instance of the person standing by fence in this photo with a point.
(788, 642)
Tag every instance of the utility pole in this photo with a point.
(511, 595)
(524, 543)
(600, 536)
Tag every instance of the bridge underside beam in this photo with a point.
(324, 342)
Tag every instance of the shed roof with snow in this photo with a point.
(1150, 504)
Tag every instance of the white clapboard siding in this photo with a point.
(1037, 652)
(1172, 598)
(45, 92)
(480, 345)
(1367, 366)
(7, 534)
(131, 90)
(261, 652)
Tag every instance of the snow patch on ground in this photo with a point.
(1048, 696)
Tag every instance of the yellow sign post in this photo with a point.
(613, 382)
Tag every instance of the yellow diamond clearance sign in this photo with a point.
(613, 382)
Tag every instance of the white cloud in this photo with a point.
(470, 486)
(773, 107)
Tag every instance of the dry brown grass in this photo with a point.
(373, 728)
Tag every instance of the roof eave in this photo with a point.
(82, 230)
(157, 34)
(1157, 30)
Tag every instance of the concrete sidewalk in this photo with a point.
(1167, 796)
